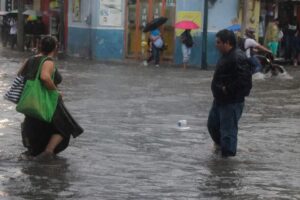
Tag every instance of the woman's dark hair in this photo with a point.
(227, 36)
(48, 44)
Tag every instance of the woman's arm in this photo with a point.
(46, 74)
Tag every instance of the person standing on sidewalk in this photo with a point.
(13, 31)
(272, 36)
(156, 43)
(232, 81)
(5, 29)
(186, 47)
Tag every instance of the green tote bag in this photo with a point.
(36, 100)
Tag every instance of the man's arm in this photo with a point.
(263, 48)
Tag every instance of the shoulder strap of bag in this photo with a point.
(25, 65)
(40, 68)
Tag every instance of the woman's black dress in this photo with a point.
(36, 133)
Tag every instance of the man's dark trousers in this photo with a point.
(222, 125)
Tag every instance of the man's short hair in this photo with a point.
(227, 36)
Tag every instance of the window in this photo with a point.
(76, 8)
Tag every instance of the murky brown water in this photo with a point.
(132, 149)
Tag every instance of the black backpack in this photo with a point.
(244, 71)
(187, 39)
(241, 43)
(241, 46)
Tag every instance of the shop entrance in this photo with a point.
(139, 12)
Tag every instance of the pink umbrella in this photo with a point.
(186, 25)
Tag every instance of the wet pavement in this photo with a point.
(132, 149)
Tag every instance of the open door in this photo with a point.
(139, 12)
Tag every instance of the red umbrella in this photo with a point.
(186, 25)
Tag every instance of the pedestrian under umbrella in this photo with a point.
(186, 39)
(186, 47)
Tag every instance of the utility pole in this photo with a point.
(20, 26)
(204, 36)
(245, 16)
(61, 33)
(61, 26)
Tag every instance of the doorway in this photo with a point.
(139, 12)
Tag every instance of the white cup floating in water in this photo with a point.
(182, 125)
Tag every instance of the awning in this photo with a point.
(3, 13)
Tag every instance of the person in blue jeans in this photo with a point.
(156, 43)
(232, 81)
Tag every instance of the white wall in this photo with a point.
(91, 8)
(2, 4)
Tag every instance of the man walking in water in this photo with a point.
(232, 81)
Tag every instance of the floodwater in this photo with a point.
(132, 149)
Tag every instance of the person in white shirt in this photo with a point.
(250, 46)
(13, 32)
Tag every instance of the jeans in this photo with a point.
(222, 125)
(154, 54)
(255, 62)
(186, 53)
(289, 46)
(13, 40)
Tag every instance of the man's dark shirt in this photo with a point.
(234, 73)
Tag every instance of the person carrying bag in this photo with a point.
(48, 125)
(36, 100)
(186, 47)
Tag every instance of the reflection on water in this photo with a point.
(43, 180)
(223, 180)
(132, 149)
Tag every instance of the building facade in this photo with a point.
(51, 12)
(112, 29)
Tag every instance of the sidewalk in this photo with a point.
(5, 51)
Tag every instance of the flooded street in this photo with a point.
(132, 149)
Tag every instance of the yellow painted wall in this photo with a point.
(189, 16)
(253, 14)
(36, 5)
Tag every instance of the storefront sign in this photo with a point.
(76, 10)
(110, 13)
